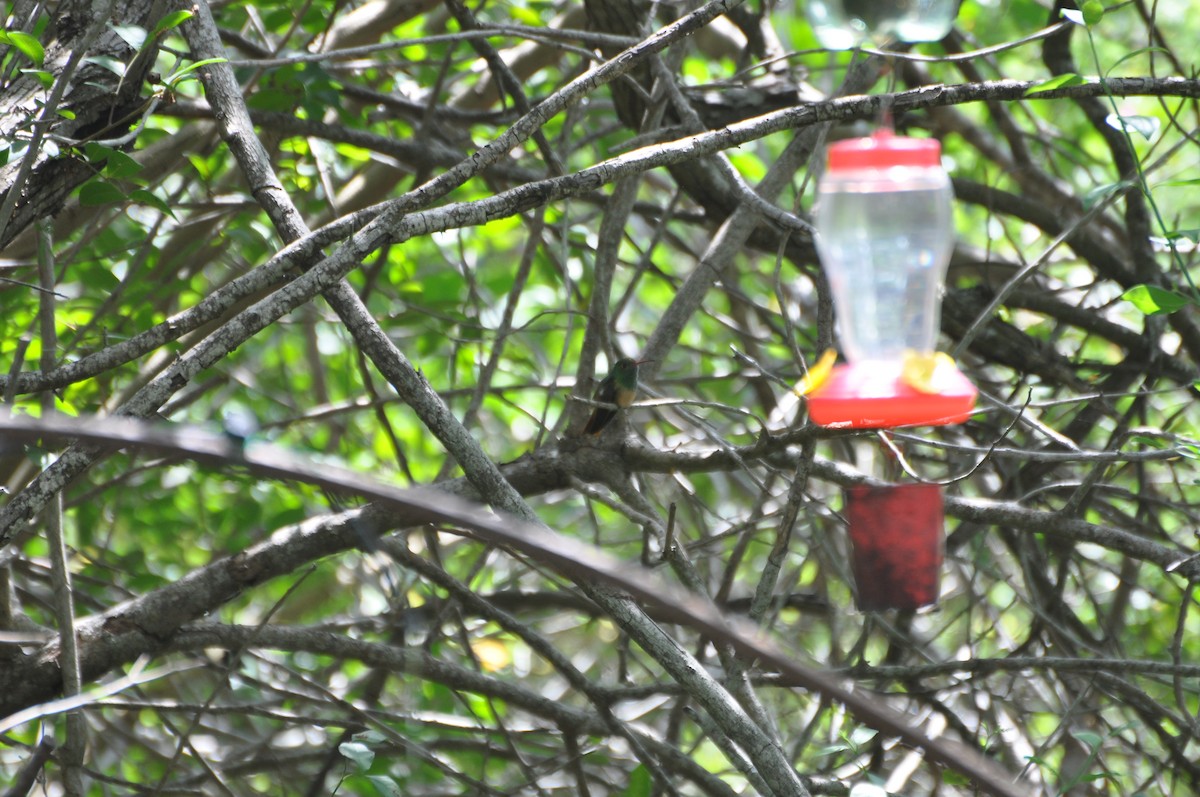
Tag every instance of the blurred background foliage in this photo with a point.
(1088, 412)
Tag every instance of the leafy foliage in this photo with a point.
(429, 662)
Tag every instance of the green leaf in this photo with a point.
(41, 75)
(527, 16)
(385, 786)
(272, 100)
(172, 20)
(133, 35)
(120, 166)
(97, 153)
(1093, 12)
(1148, 126)
(30, 47)
(1135, 54)
(109, 63)
(1073, 15)
(1103, 192)
(145, 197)
(101, 279)
(1056, 82)
(1153, 300)
(358, 753)
(175, 77)
(640, 783)
(99, 192)
(832, 749)
(370, 737)
(1091, 739)
(954, 779)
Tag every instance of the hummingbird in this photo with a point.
(619, 387)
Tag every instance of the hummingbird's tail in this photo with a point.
(601, 417)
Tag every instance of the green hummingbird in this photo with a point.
(619, 388)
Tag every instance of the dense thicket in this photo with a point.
(403, 238)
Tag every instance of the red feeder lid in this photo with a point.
(872, 395)
(884, 150)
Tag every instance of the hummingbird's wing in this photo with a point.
(601, 416)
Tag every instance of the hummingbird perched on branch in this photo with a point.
(619, 388)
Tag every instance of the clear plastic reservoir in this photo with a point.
(843, 24)
(884, 234)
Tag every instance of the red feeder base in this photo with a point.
(897, 533)
(872, 395)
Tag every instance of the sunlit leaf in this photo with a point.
(1057, 82)
(1153, 300)
(133, 35)
(1148, 126)
(30, 47)
(385, 786)
(1073, 15)
(177, 76)
(172, 20)
(108, 62)
(41, 75)
(357, 752)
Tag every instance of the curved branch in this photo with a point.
(596, 572)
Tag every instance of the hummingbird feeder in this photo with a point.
(884, 232)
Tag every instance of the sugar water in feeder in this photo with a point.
(843, 24)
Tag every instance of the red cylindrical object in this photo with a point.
(898, 537)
